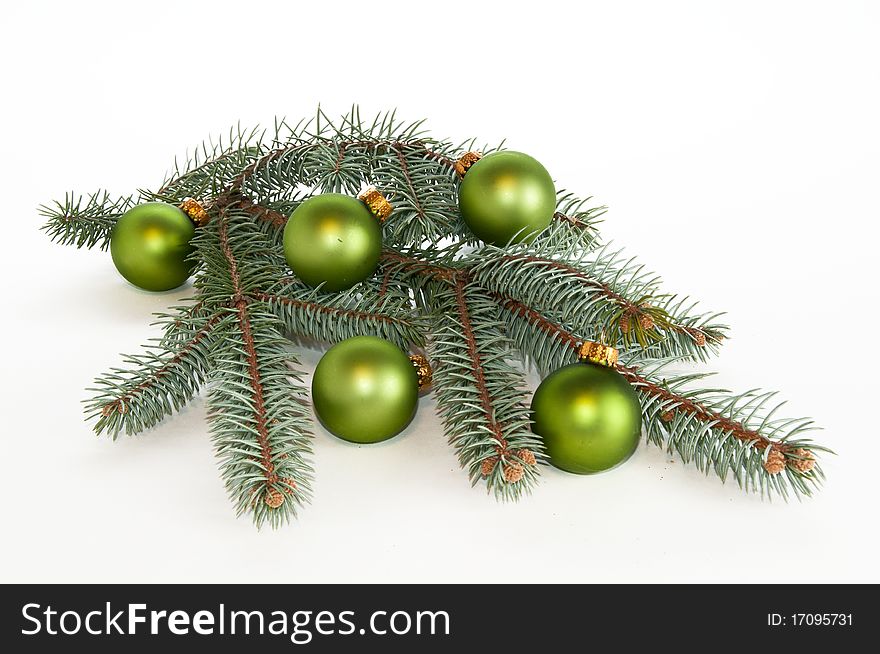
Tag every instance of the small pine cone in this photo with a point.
(668, 416)
(527, 457)
(291, 484)
(513, 472)
(775, 462)
(118, 406)
(646, 321)
(624, 324)
(802, 460)
(699, 338)
(488, 465)
(273, 498)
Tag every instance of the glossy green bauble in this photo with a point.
(332, 239)
(365, 389)
(589, 417)
(150, 246)
(507, 195)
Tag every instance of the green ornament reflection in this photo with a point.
(150, 246)
(334, 240)
(365, 390)
(507, 195)
(588, 416)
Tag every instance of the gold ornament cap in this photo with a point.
(376, 202)
(423, 371)
(196, 212)
(603, 355)
(465, 161)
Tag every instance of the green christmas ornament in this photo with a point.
(588, 416)
(150, 246)
(507, 195)
(365, 389)
(332, 239)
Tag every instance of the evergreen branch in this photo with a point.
(416, 271)
(183, 322)
(264, 214)
(258, 420)
(543, 298)
(84, 222)
(386, 281)
(414, 171)
(423, 193)
(545, 344)
(256, 405)
(237, 184)
(335, 317)
(480, 395)
(728, 433)
(659, 330)
(158, 383)
(600, 292)
(716, 430)
(403, 262)
(566, 230)
(308, 162)
(675, 403)
(574, 226)
(212, 165)
(385, 129)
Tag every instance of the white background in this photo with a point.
(737, 145)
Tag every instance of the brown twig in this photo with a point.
(323, 308)
(604, 289)
(342, 148)
(632, 375)
(121, 403)
(344, 145)
(420, 267)
(238, 181)
(404, 167)
(532, 316)
(416, 145)
(240, 303)
(477, 364)
(629, 310)
(686, 405)
(571, 220)
(231, 195)
(383, 288)
(259, 212)
(201, 166)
